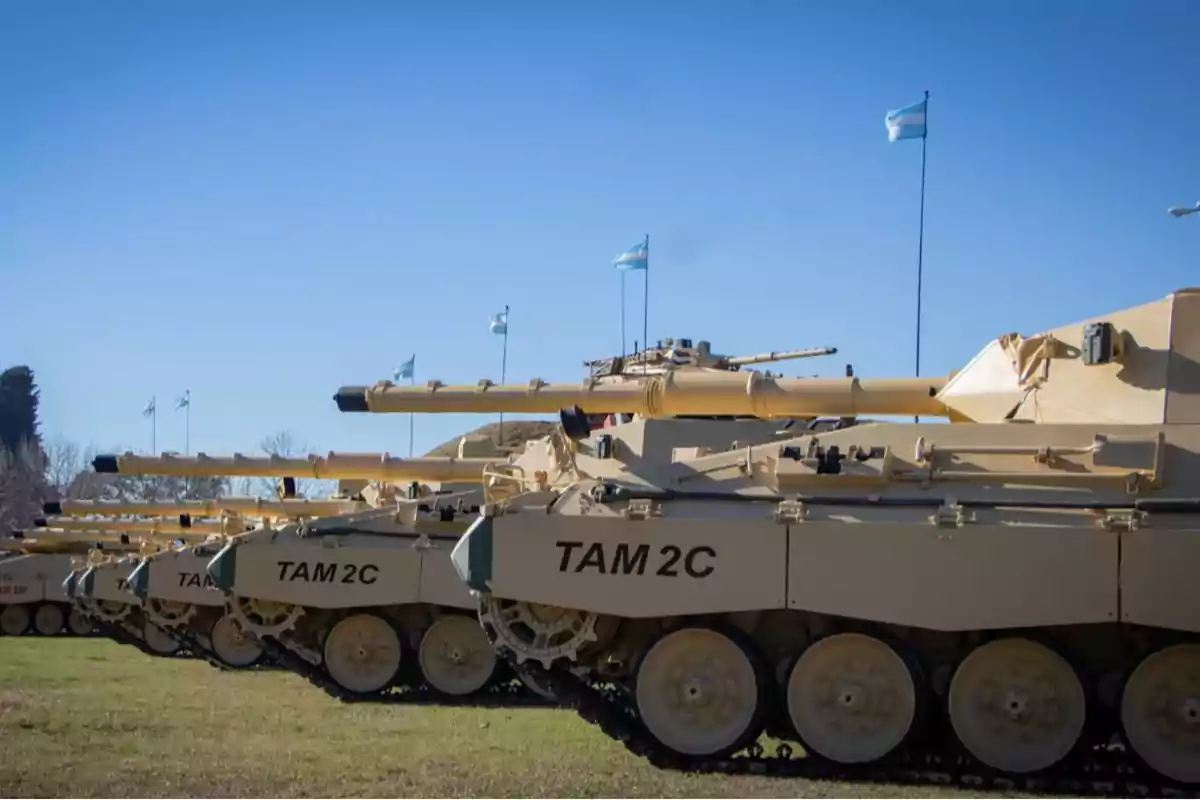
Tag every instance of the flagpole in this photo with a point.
(187, 439)
(622, 313)
(412, 380)
(187, 423)
(504, 370)
(646, 301)
(154, 426)
(921, 237)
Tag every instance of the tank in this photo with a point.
(1002, 595)
(288, 588)
(100, 588)
(32, 598)
(367, 606)
(177, 594)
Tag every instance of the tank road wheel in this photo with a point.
(158, 640)
(14, 620)
(455, 655)
(1160, 712)
(700, 693)
(48, 619)
(232, 647)
(362, 653)
(1016, 705)
(79, 624)
(851, 698)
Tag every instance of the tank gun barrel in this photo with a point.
(249, 506)
(779, 355)
(673, 394)
(119, 535)
(334, 466)
(182, 526)
(59, 545)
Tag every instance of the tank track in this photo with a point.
(191, 642)
(1101, 769)
(498, 694)
(119, 634)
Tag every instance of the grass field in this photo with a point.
(83, 718)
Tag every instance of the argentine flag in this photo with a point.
(498, 324)
(636, 257)
(405, 370)
(907, 122)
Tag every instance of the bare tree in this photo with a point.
(89, 485)
(23, 486)
(284, 444)
(63, 463)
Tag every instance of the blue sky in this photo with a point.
(264, 201)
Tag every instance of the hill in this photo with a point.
(516, 433)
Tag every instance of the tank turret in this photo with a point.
(1012, 593)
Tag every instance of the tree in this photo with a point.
(18, 409)
(23, 486)
(168, 487)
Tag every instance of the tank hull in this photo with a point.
(376, 581)
(32, 598)
(946, 557)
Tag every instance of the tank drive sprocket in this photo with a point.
(109, 611)
(536, 632)
(168, 613)
(263, 617)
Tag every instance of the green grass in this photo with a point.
(82, 718)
